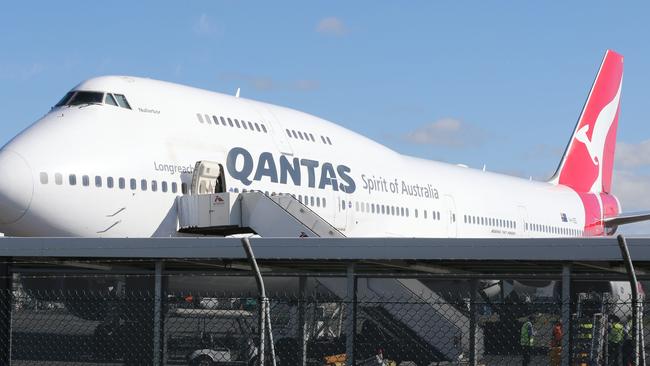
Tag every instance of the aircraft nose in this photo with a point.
(16, 186)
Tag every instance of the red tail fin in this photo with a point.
(588, 161)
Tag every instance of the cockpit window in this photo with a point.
(110, 100)
(65, 99)
(86, 97)
(91, 97)
(121, 100)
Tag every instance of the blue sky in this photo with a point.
(503, 82)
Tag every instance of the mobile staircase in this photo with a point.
(281, 215)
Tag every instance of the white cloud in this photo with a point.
(448, 132)
(205, 26)
(633, 191)
(632, 155)
(331, 26)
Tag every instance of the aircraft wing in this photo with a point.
(627, 218)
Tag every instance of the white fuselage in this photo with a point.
(162, 136)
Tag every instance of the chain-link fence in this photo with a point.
(117, 321)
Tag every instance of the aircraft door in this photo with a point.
(342, 213)
(522, 219)
(450, 216)
(208, 177)
(277, 130)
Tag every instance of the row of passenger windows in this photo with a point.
(550, 229)
(121, 183)
(489, 221)
(307, 136)
(232, 122)
(91, 97)
(379, 209)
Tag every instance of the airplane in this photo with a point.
(109, 159)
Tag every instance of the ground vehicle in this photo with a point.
(213, 336)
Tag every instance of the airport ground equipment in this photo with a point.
(590, 328)
(284, 216)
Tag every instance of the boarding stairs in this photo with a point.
(590, 329)
(284, 216)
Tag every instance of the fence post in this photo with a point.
(639, 347)
(6, 305)
(351, 301)
(138, 312)
(302, 324)
(472, 322)
(157, 314)
(566, 314)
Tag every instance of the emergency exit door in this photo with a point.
(450, 216)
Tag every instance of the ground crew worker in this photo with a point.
(556, 344)
(615, 339)
(526, 340)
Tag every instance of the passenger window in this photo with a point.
(121, 100)
(174, 187)
(43, 178)
(85, 180)
(154, 186)
(207, 119)
(58, 179)
(288, 133)
(164, 186)
(200, 117)
(311, 200)
(121, 183)
(216, 120)
(425, 214)
(293, 132)
(237, 123)
(257, 127)
(143, 184)
(133, 184)
(323, 138)
(72, 179)
(312, 137)
(407, 212)
(328, 140)
(98, 181)
(416, 213)
(230, 123)
(263, 128)
(110, 100)
(184, 188)
(300, 135)
(109, 182)
(250, 125)
(243, 124)
(223, 120)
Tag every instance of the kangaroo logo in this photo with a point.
(596, 145)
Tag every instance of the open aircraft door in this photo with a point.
(277, 131)
(450, 216)
(208, 177)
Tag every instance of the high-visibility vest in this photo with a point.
(585, 331)
(616, 333)
(526, 338)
